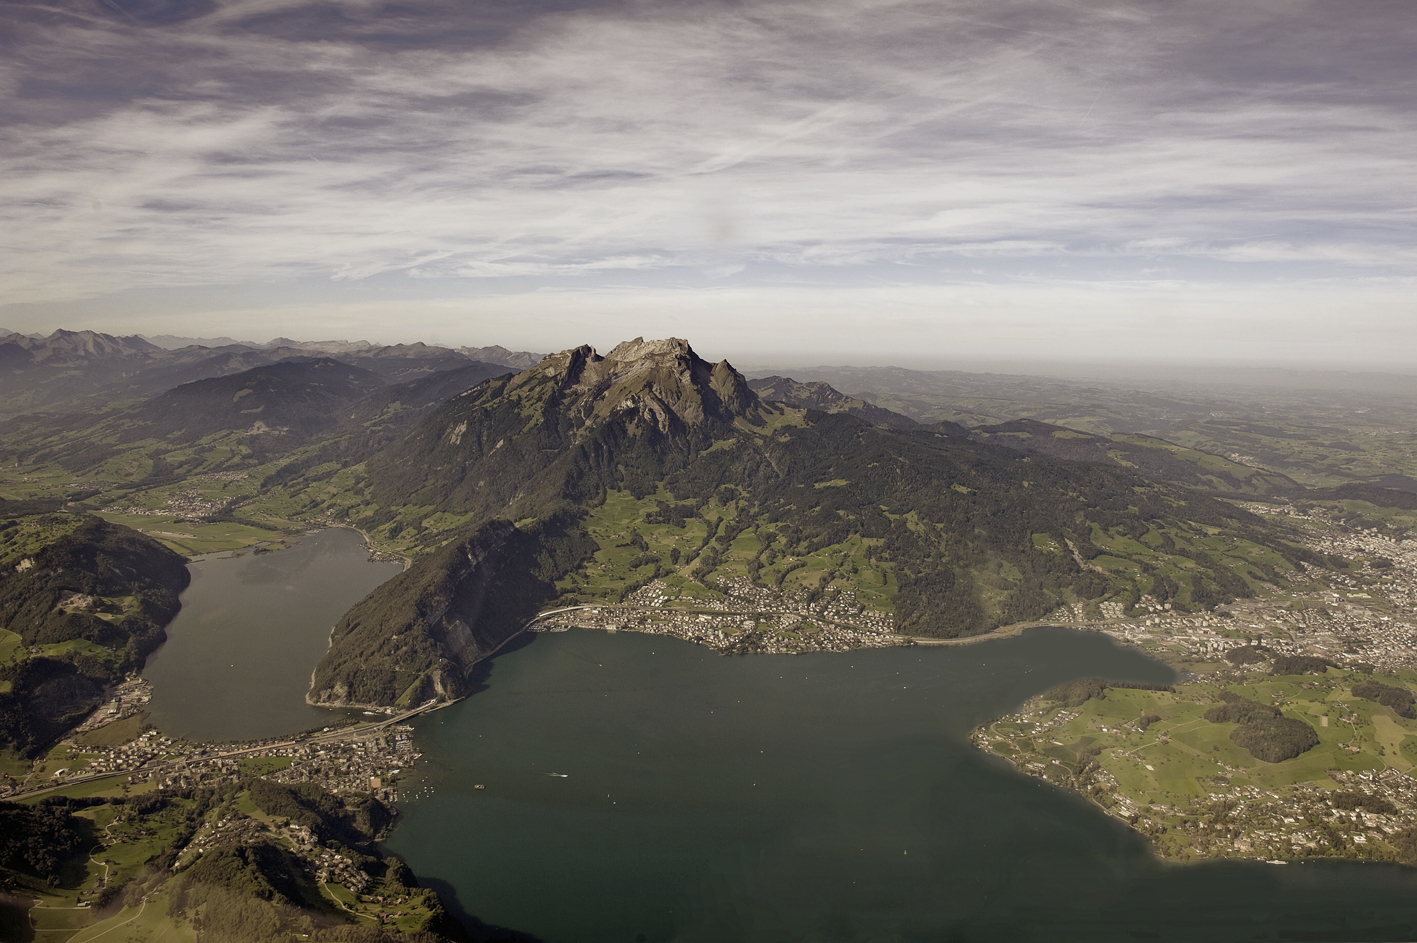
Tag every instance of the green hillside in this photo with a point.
(950, 534)
(233, 863)
(86, 602)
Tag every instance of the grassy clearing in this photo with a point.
(140, 924)
(56, 923)
(695, 548)
(263, 765)
(79, 647)
(111, 735)
(12, 764)
(12, 647)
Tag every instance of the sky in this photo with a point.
(849, 181)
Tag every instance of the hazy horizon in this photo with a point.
(843, 180)
(1155, 373)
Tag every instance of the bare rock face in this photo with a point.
(575, 421)
(662, 383)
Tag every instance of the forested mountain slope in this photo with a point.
(415, 637)
(969, 534)
(296, 397)
(89, 601)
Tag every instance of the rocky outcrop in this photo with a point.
(572, 426)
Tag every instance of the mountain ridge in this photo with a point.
(969, 534)
(820, 395)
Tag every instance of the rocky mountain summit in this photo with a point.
(661, 385)
(576, 422)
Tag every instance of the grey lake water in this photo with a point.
(238, 657)
(642, 789)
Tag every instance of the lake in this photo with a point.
(642, 789)
(238, 657)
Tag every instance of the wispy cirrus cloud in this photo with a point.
(190, 142)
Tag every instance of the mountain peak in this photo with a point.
(517, 359)
(646, 407)
(639, 348)
(662, 382)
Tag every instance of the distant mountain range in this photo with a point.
(73, 371)
(520, 359)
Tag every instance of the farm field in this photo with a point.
(1154, 758)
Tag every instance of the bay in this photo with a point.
(638, 788)
(238, 657)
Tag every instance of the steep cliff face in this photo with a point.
(572, 425)
(415, 637)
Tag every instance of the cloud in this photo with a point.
(176, 142)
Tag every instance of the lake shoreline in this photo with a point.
(583, 704)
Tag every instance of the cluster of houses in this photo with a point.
(746, 618)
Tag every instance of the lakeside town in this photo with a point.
(1152, 759)
(745, 619)
(364, 757)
